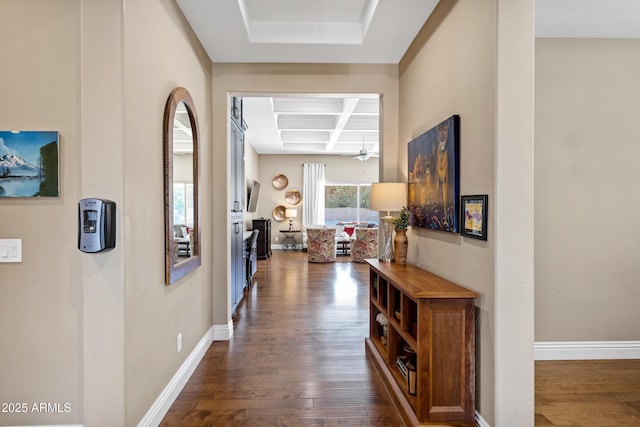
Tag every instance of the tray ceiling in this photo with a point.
(353, 31)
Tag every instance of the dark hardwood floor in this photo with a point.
(296, 357)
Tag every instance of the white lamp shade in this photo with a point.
(388, 196)
(291, 213)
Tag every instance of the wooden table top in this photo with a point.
(418, 282)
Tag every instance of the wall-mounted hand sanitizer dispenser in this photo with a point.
(97, 225)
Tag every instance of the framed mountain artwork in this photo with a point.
(29, 164)
(434, 177)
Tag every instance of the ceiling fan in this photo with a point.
(364, 155)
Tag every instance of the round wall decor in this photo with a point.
(278, 213)
(280, 182)
(293, 197)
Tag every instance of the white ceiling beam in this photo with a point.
(180, 128)
(349, 105)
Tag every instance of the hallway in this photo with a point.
(296, 356)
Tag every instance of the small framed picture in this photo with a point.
(29, 165)
(473, 212)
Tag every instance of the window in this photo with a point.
(348, 203)
(183, 203)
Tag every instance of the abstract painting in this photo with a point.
(434, 177)
(29, 164)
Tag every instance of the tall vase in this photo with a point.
(386, 253)
(401, 246)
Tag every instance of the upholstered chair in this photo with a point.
(364, 244)
(321, 244)
(183, 236)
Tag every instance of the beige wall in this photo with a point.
(103, 286)
(41, 303)
(446, 72)
(260, 79)
(92, 329)
(587, 110)
(452, 68)
(338, 170)
(513, 203)
(156, 313)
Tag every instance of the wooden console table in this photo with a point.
(426, 353)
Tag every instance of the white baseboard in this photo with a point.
(161, 406)
(480, 422)
(586, 350)
(223, 332)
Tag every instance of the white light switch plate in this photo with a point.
(10, 250)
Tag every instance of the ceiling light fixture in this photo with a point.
(365, 155)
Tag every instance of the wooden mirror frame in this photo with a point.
(174, 271)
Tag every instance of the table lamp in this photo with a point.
(388, 196)
(291, 213)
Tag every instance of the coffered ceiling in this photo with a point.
(327, 124)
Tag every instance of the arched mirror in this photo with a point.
(182, 229)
